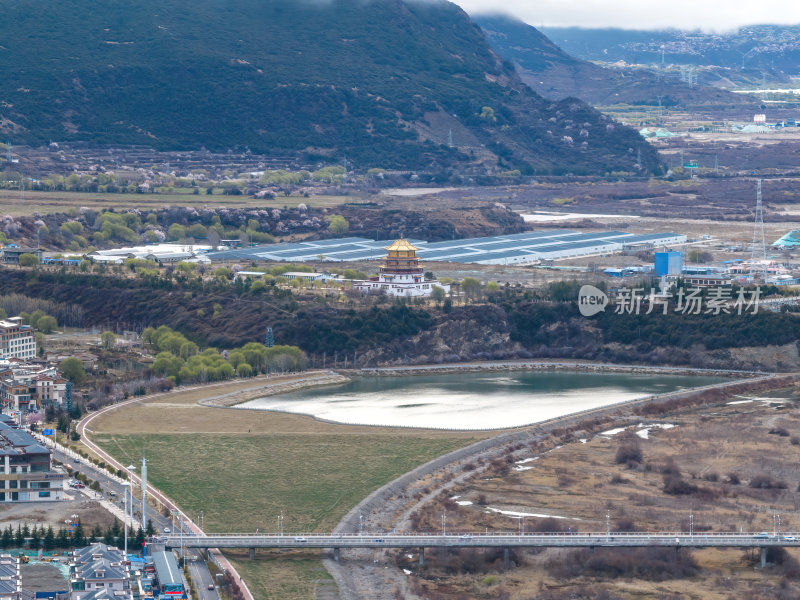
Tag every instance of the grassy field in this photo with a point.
(280, 575)
(243, 481)
(52, 202)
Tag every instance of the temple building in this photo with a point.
(400, 274)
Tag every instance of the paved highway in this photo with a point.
(483, 540)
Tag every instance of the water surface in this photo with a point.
(472, 400)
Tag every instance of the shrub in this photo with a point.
(629, 450)
(779, 431)
(678, 486)
(654, 564)
(765, 482)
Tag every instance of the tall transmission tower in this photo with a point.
(758, 256)
(269, 339)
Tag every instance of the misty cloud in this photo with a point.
(709, 15)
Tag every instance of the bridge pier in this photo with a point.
(506, 558)
(422, 557)
(763, 557)
(252, 553)
(336, 554)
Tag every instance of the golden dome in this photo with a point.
(402, 245)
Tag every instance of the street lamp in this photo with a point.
(125, 484)
(131, 468)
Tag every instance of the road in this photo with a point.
(158, 521)
(201, 578)
(489, 540)
(111, 484)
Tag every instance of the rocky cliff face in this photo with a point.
(468, 333)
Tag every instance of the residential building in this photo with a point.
(10, 254)
(401, 274)
(16, 340)
(99, 572)
(10, 579)
(26, 386)
(26, 471)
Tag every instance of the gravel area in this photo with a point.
(42, 577)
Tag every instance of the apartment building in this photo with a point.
(26, 471)
(16, 340)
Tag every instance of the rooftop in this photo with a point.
(401, 245)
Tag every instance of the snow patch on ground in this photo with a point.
(407, 571)
(521, 468)
(464, 502)
(739, 402)
(645, 433)
(611, 432)
(527, 460)
(512, 513)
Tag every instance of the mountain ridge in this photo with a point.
(382, 82)
(555, 73)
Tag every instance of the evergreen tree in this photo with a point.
(8, 537)
(97, 533)
(63, 540)
(109, 538)
(19, 538)
(26, 531)
(78, 536)
(151, 531)
(139, 541)
(116, 529)
(35, 540)
(49, 539)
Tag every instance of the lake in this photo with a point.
(472, 400)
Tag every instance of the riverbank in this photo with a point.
(545, 365)
(308, 379)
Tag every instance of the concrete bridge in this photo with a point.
(762, 541)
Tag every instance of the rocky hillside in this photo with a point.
(381, 83)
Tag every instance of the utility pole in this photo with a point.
(144, 492)
(759, 247)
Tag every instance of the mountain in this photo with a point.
(554, 73)
(384, 83)
(759, 48)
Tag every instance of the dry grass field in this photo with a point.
(728, 469)
(54, 202)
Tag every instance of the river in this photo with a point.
(472, 400)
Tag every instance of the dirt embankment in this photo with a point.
(307, 380)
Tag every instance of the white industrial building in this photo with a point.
(160, 253)
(515, 249)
